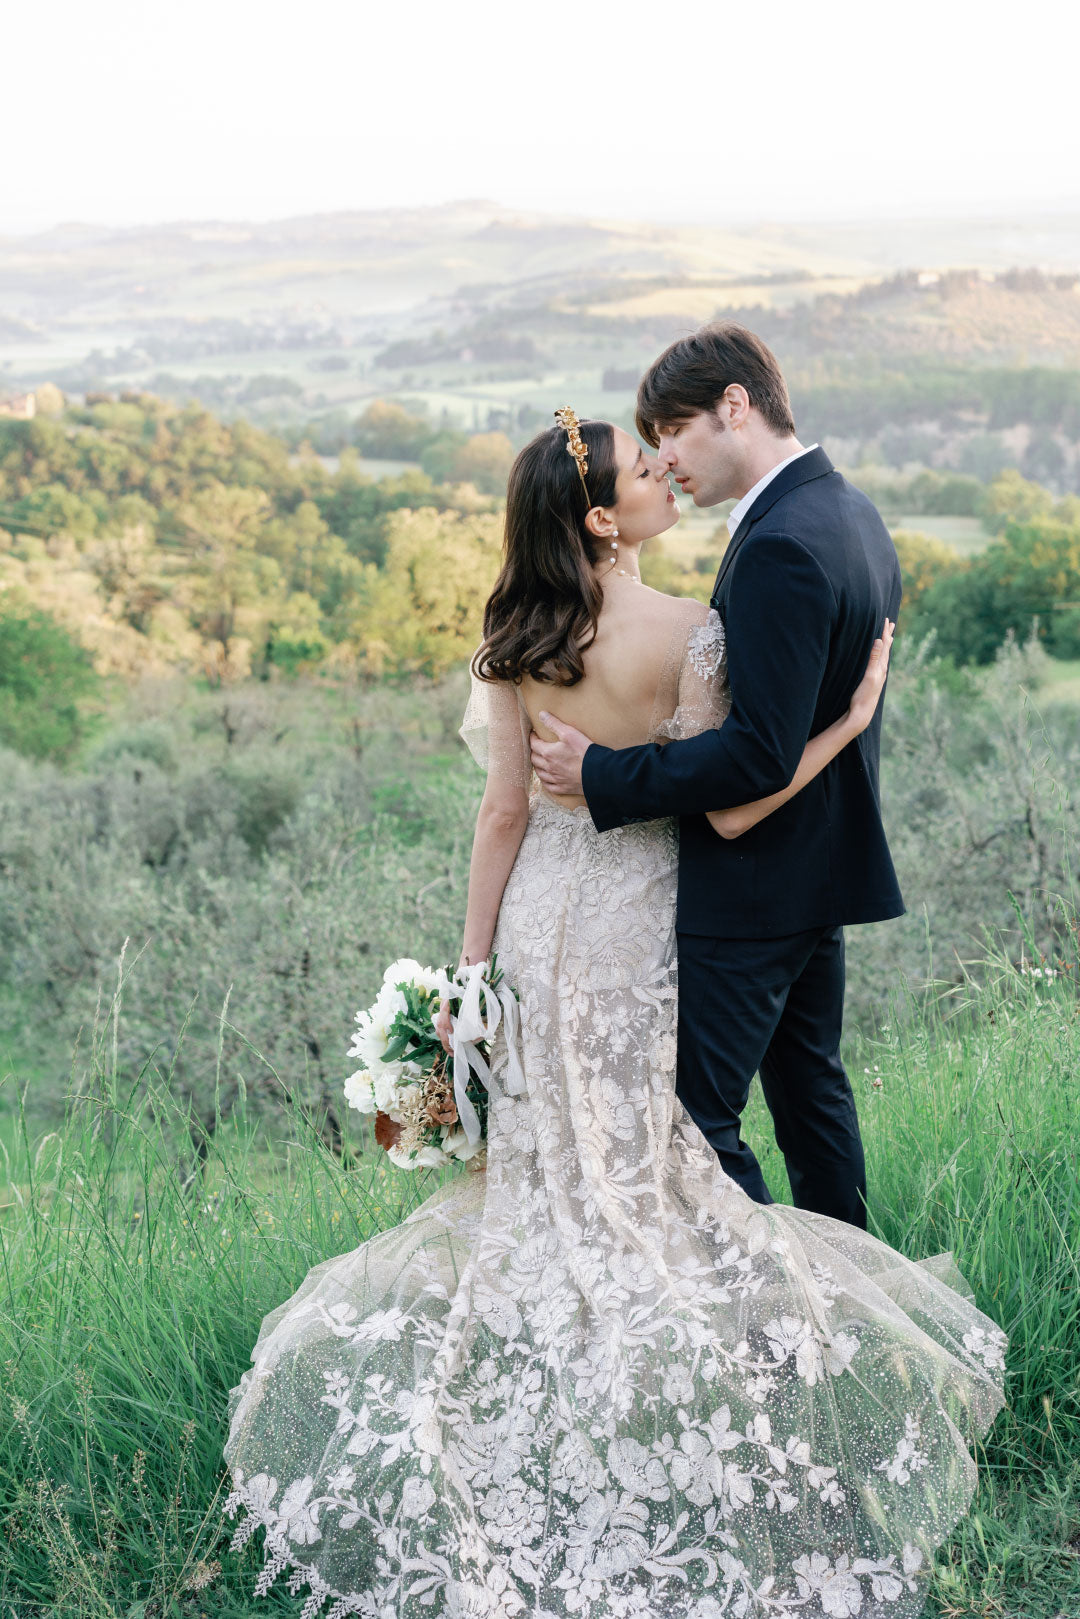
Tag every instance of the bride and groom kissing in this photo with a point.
(611, 1377)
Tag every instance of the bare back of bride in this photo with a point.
(598, 1379)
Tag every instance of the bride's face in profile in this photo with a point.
(644, 504)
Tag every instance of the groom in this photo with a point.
(804, 587)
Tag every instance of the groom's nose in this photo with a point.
(665, 454)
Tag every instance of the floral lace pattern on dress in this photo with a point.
(600, 1381)
(706, 645)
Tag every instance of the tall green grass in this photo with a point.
(139, 1252)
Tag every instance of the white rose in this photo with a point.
(359, 1093)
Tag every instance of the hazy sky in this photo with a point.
(124, 111)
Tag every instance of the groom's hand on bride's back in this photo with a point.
(558, 763)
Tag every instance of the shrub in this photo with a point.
(1023, 576)
(44, 676)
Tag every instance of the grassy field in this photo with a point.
(963, 534)
(1063, 684)
(135, 1267)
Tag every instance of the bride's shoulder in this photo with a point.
(682, 611)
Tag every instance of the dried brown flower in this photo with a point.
(387, 1130)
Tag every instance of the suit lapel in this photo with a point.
(814, 464)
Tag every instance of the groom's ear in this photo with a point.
(733, 406)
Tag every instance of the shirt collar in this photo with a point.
(739, 511)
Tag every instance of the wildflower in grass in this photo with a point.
(203, 1574)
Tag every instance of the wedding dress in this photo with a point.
(598, 1379)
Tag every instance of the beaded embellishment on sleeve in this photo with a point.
(706, 644)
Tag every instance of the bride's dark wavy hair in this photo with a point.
(542, 614)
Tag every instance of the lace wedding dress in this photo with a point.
(599, 1380)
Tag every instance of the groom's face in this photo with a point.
(703, 455)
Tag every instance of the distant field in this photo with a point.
(1062, 684)
(964, 534)
(701, 301)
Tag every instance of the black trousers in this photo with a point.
(774, 1007)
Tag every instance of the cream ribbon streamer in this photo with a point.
(478, 1020)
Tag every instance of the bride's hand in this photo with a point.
(867, 694)
(443, 1026)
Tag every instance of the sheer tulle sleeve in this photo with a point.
(694, 695)
(496, 732)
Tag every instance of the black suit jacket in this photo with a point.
(804, 587)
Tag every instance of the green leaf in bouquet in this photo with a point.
(398, 1046)
(420, 1029)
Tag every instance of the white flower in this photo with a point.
(340, 1316)
(261, 1492)
(840, 1351)
(359, 1092)
(912, 1559)
(908, 1458)
(407, 971)
(809, 1361)
(417, 1498)
(457, 1145)
(636, 1470)
(387, 1088)
(989, 1347)
(370, 1039)
(785, 1336)
(696, 1469)
(886, 1586)
(738, 1487)
(423, 1158)
(514, 1513)
(839, 1589)
(382, 1326)
(678, 1386)
(343, 1479)
(299, 1517)
(811, 1572)
(577, 1469)
(841, 1596)
(633, 1271)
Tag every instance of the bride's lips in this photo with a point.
(671, 494)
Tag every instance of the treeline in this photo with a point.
(1027, 581)
(386, 431)
(139, 536)
(1000, 397)
(165, 538)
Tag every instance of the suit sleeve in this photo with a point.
(780, 613)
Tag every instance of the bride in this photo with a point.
(599, 1380)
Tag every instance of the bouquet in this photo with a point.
(430, 1107)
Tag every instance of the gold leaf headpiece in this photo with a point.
(567, 420)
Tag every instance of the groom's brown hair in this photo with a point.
(692, 373)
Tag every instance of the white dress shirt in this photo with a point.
(739, 511)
